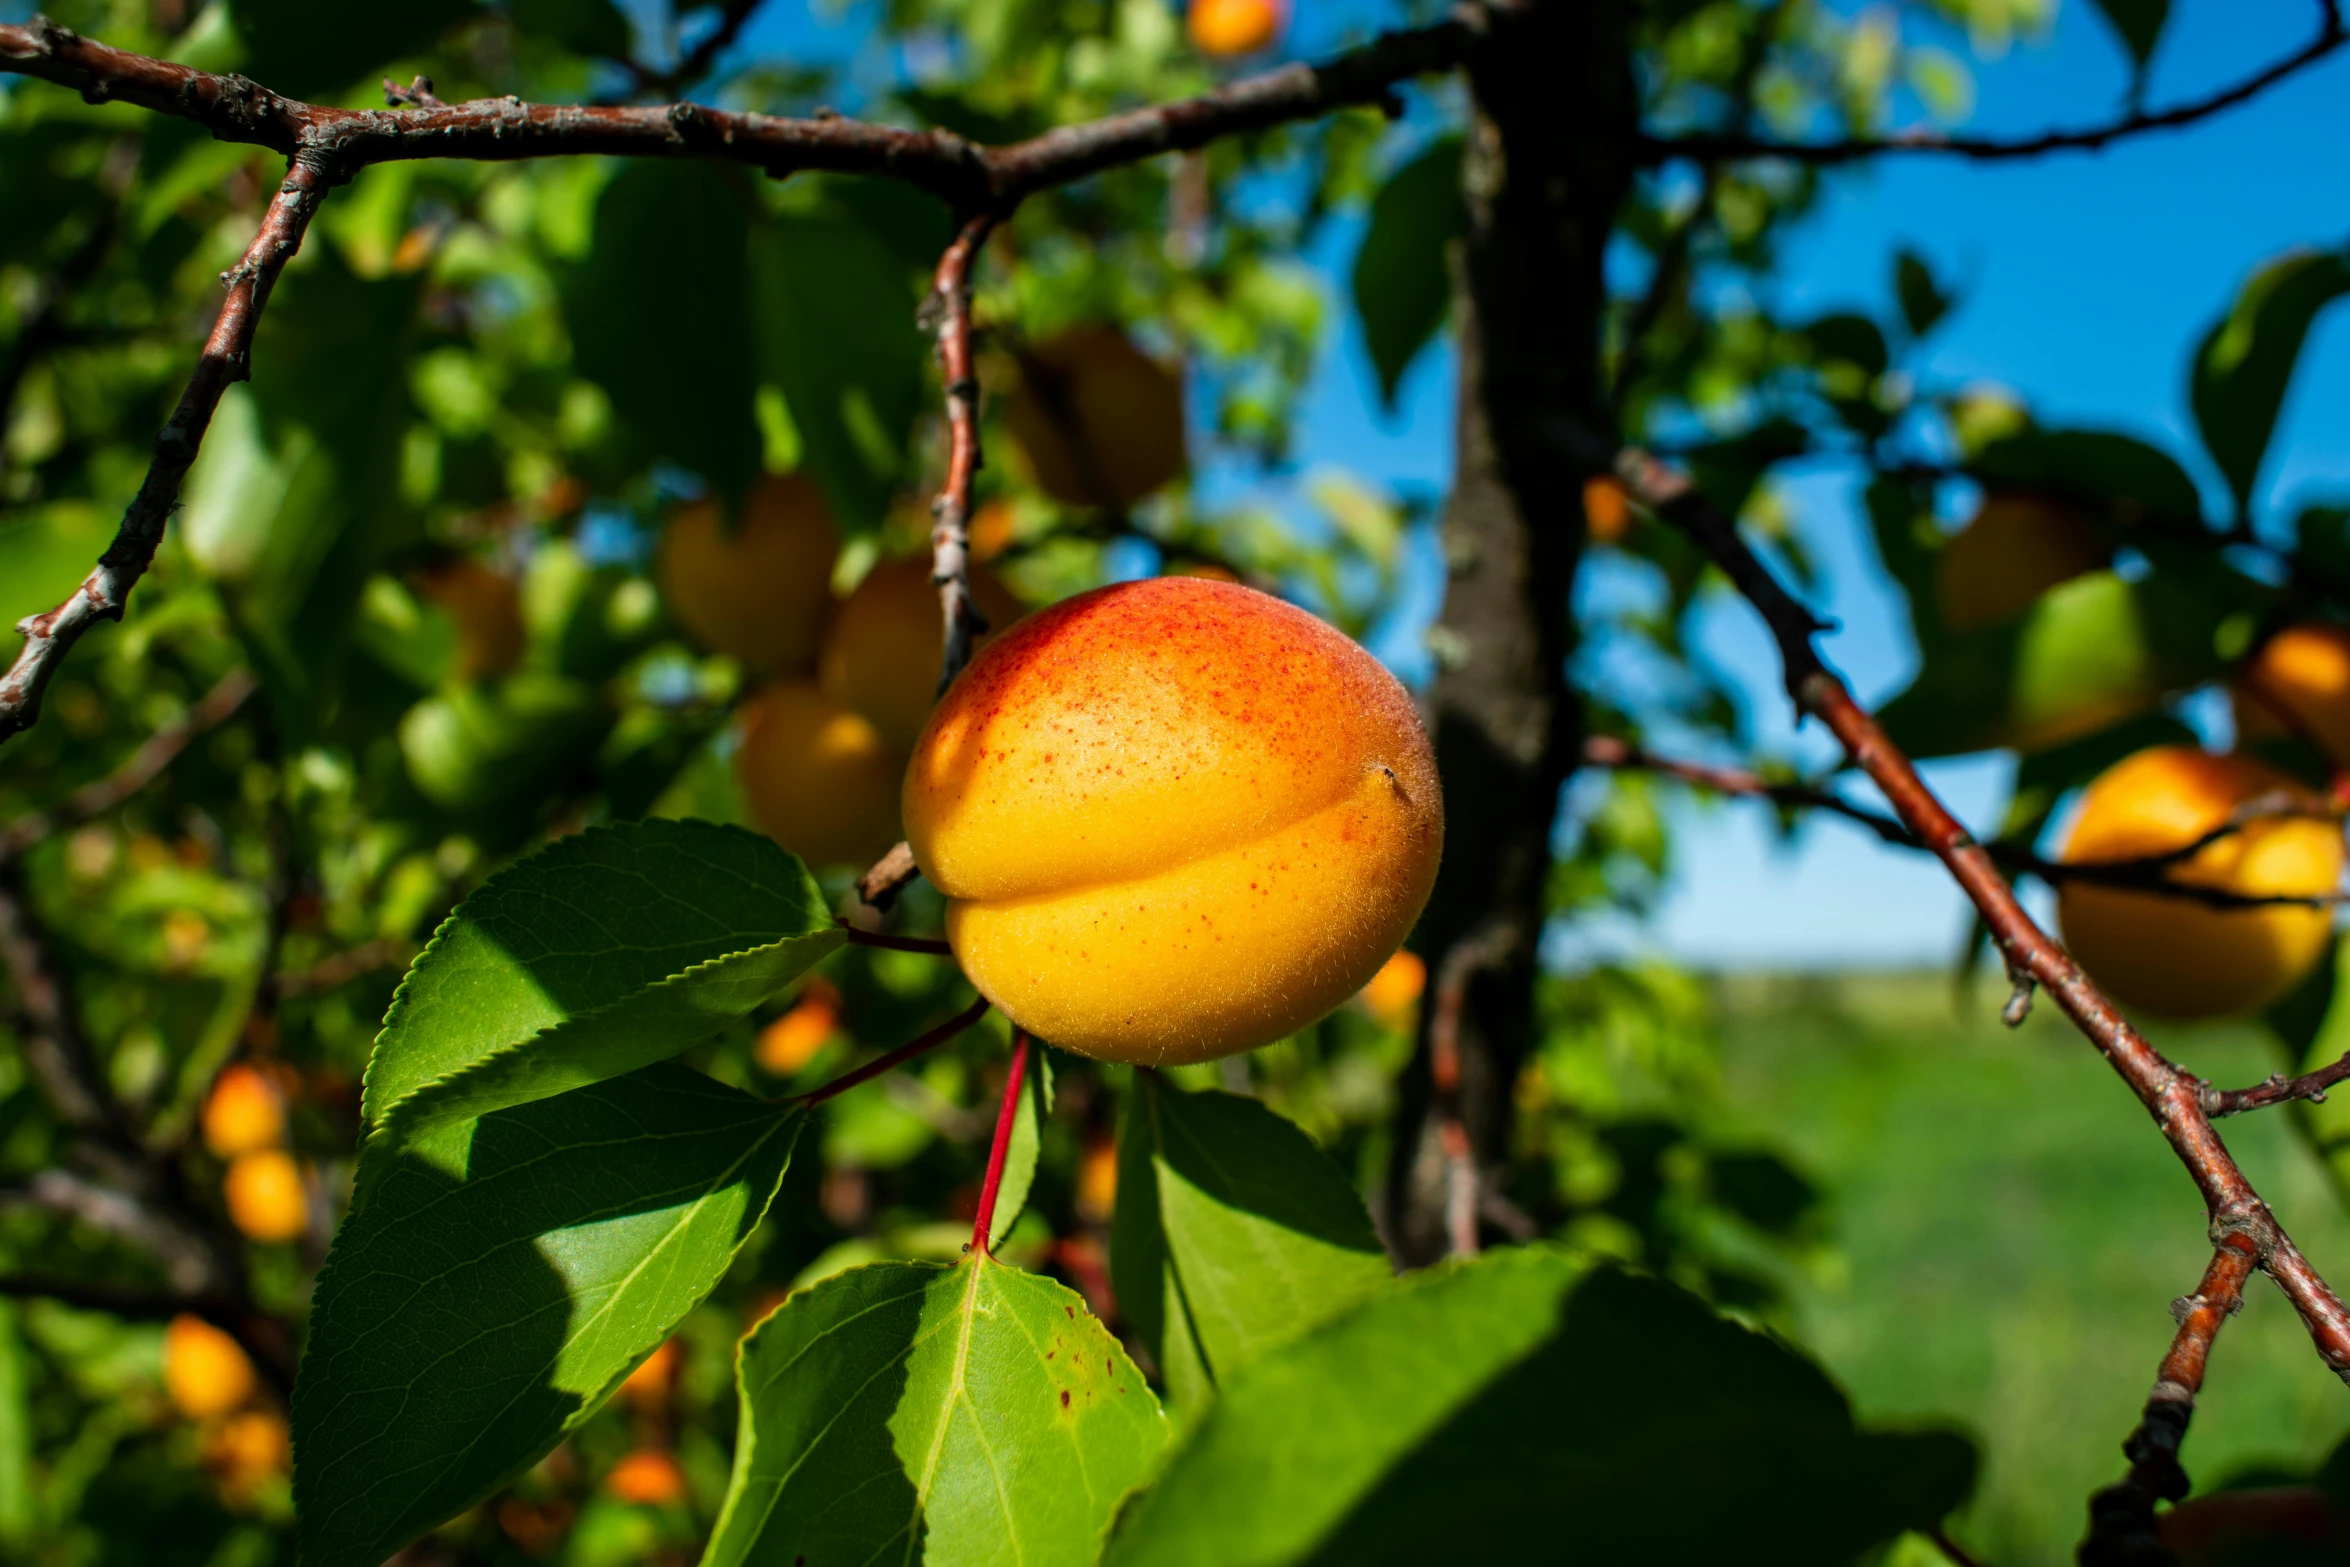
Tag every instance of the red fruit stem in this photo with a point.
(1008, 1113)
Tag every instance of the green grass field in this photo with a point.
(2006, 1230)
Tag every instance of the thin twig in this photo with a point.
(2121, 1517)
(871, 938)
(2170, 1094)
(226, 359)
(158, 751)
(949, 308)
(2278, 1089)
(887, 876)
(52, 1042)
(1007, 1116)
(895, 1058)
(2144, 873)
(1739, 145)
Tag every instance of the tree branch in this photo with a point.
(887, 876)
(895, 1058)
(1711, 148)
(158, 751)
(226, 359)
(2145, 873)
(2170, 1094)
(2121, 1517)
(949, 314)
(54, 1048)
(2278, 1089)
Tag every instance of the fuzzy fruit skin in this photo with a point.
(1176, 819)
(762, 594)
(243, 1112)
(819, 779)
(2180, 959)
(266, 1195)
(882, 652)
(1123, 408)
(1228, 28)
(2299, 682)
(205, 1372)
(2018, 546)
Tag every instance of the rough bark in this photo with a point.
(1551, 143)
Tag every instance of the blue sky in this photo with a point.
(2085, 281)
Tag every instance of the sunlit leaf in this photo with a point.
(1522, 1408)
(914, 1412)
(2246, 363)
(1233, 1234)
(468, 1317)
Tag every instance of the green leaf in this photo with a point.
(660, 316)
(1403, 275)
(504, 742)
(290, 48)
(2092, 652)
(1233, 1234)
(2124, 477)
(2138, 23)
(594, 27)
(1923, 301)
(2245, 364)
(465, 1321)
(602, 952)
(1523, 1408)
(836, 335)
(954, 1415)
(1027, 1141)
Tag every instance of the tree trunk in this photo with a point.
(1548, 164)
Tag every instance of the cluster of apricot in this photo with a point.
(244, 1123)
(2234, 824)
(210, 1380)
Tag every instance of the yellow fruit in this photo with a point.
(2298, 682)
(247, 1451)
(2174, 957)
(1395, 990)
(1099, 421)
(266, 1196)
(818, 778)
(2018, 546)
(1607, 510)
(648, 1387)
(1175, 819)
(648, 1478)
(881, 654)
(244, 1111)
(761, 593)
(488, 612)
(1097, 1180)
(1225, 28)
(792, 1040)
(205, 1372)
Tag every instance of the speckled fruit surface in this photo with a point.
(1176, 819)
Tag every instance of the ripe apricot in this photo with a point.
(819, 779)
(881, 654)
(761, 592)
(1607, 510)
(1226, 28)
(647, 1477)
(2017, 547)
(1395, 990)
(792, 1040)
(266, 1196)
(206, 1373)
(1099, 421)
(488, 611)
(247, 1451)
(2298, 682)
(648, 1387)
(1174, 819)
(243, 1112)
(2175, 957)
